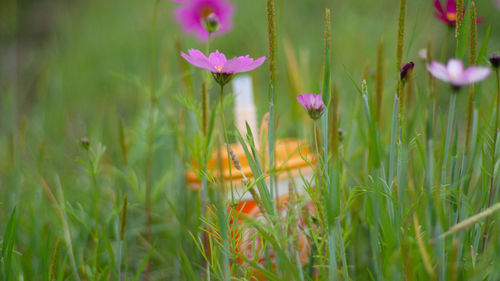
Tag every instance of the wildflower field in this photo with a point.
(250, 140)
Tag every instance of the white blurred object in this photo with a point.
(244, 110)
(423, 54)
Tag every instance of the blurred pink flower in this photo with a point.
(312, 103)
(192, 15)
(455, 74)
(221, 68)
(447, 14)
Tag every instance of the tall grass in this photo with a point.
(402, 187)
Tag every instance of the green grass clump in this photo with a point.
(100, 120)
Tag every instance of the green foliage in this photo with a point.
(402, 199)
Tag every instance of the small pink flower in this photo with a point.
(448, 14)
(455, 74)
(221, 68)
(312, 103)
(192, 16)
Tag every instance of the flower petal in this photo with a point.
(475, 74)
(231, 66)
(438, 7)
(217, 60)
(250, 64)
(455, 68)
(438, 70)
(451, 6)
(300, 99)
(198, 59)
(190, 14)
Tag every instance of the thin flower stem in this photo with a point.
(316, 140)
(226, 142)
(96, 206)
(493, 161)
(207, 45)
(449, 132)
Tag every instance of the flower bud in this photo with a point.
(495, 61)
(406, 69)
(85, 143)
(212, 23)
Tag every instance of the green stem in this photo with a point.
(149, 160)
(226, 143)
(271, 143)
(449, 132)
(207, 45)
(493, 161)
(316, 140)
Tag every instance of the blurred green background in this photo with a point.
(70, 69)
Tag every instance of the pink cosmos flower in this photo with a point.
(455, 74)
(447, 14)
(312, 103)
(221, 68)
(192, 15)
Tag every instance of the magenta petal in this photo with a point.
(475, 74)
(217, 60)
(451, 6)
(439, 7)
(231, 66)
(251, 65)
(190, 15)
(197, 59)
(300, 99)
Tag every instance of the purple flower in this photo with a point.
(448, 15)
(192, 16)
(221, 68)
(312, 103)
(455, 74)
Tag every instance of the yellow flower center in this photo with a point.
(451, 16)
(219, 68)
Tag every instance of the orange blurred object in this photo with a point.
(294, 163)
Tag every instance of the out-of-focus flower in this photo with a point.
(221, 68)
(498, 4)
(422, 53)
(312, 103)
(495, 60)
(193, 15)
(405, 69)
(447, 14)
(85, 143)
(455, 74)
